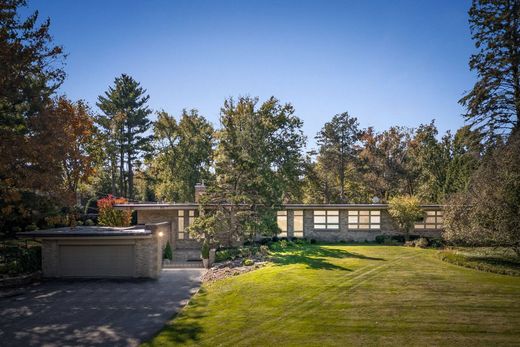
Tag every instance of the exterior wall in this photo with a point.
(147, 250)
(171, 216)
(388, 227)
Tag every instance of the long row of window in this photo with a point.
(325, 220)
(357, 219)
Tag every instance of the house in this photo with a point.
(321, 222)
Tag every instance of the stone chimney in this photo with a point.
(200, 189)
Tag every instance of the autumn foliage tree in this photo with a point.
(31, 71)
(79, 145)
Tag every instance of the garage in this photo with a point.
(102, 252)
(97, 260)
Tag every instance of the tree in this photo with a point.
(258, 163)
(31, 71)
(488, 213)
(184, 154)
(78, 144)
(466, 151)
(338, 141)
(493, 105)
(124, 123)
(406, 210)
(428, 159)
(384, 162)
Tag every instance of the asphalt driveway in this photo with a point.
(95, 312)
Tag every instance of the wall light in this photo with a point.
(161, 234)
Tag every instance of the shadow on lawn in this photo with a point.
(185, 326)
(315, 257)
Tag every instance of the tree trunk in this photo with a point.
(113, 174)
(122, 191)
(130, 177)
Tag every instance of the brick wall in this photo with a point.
(388, 227)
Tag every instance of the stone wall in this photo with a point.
(148, 252)
(50, 258)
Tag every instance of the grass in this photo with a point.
(338, 295)
(498, 260)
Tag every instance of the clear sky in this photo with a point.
(402, 62)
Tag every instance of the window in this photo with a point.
(180, 224)
(432, 220)
(327, 219)
(281, 220)
(298, 223)
(364, 219)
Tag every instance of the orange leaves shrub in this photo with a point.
(109, 216)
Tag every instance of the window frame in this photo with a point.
(297, 214)
(373, 218)
(280, 217)
(327, 225)
(427, 224)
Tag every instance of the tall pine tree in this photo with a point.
(493, 105)
(124, 123)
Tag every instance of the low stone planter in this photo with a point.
(21, 280)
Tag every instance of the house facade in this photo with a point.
(321, 222)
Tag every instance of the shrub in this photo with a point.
(264, 250)
(391, 242)
(89, 222)
(167, 253)
(436, 243)
(111, 217)
(265, 241)
(380, 239)
(283, 244)
(421, 242)
(226, 254)
(248, 262)
(31, 227)
(409, 244)
(313, 241)
(205, 250)
(20, 260)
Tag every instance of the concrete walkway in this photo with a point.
(95, 312)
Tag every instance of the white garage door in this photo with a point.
(97, 260)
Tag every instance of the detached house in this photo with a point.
(322, 222)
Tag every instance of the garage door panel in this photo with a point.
(97, 260)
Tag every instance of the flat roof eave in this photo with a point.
(180, 206)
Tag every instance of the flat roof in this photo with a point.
(191, 205)
(80, 231)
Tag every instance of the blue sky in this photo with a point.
(385, 62)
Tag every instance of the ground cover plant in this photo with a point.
(499, 260)
(351, 295)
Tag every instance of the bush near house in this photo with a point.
(16, 259)
(167, 253)
(406, 211)
(108, 216)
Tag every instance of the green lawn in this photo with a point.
(352, 295)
